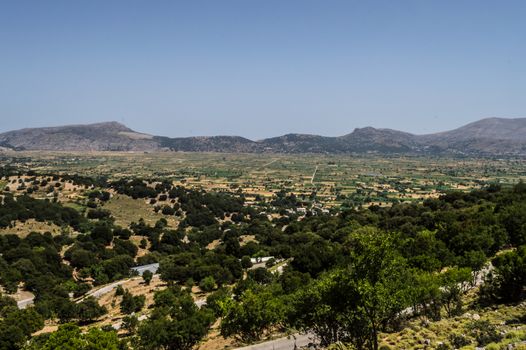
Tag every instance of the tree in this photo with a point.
(70, 337)
(246, 263)
(147, 277)
(89, 310)
(17, 326)
(509, 279)
(7, 304)
(207, 284)
(102, 233)
(261, 275)
(80, 258)
(255, 312)
(214, 300)
(454, 284)
(426, 295)
(132, 303)
(355, 303)
(176, 323)
(130, 324)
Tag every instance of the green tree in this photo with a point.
(89, 310)
(454, 283)
(132, 303)
(147, 277)
(70, 337)
(17, 326)
(130, 324)
(215, 300)
(256, 311)
(355, 303)
(176, 323)
(246, 263)
(509, 277)
(207, 284)
(426, 294)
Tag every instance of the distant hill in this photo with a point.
(111, 136)
(380, 140)
(486, 137)
(230, 144)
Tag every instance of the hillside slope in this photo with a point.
(486, 137)
(110, 136)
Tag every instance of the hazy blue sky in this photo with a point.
(261, 68)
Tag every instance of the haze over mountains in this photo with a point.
(491, 137)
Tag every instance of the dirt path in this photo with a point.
(271, 162)
(313, 175)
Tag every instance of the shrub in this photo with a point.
(207, 284)
(459, 340)
(484, 332)
(132, 303)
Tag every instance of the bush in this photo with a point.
(510, 276)
(132, 303)
(207, 284)
(119, 290)
(484, 332)
(98, 214)
(89, 310)
(246, 263)
(147, 277)
(214, 300)
(271, 262)
(458, 340)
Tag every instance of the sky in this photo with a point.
(261, 68)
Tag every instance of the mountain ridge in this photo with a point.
(490, 136)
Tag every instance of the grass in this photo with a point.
(126, 210)
(418, 332)
(22, 229)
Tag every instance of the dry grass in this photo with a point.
(22, 229)
(126, 210)
(136, 286)
(214, 340)
(418, 331)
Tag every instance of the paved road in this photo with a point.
(150, 267)
(104, 290)
(285, 343)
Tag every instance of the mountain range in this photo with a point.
(486, 137)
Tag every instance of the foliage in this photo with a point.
(257, 311)
(16, 326)
(147, 277)
(207, 284)
(353, 304)
(175, 324)
(89, 310)
(484, 332)
(132, 303)
(70, 337)
(509, 279)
